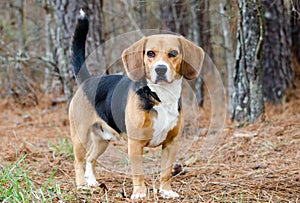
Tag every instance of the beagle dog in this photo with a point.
(144, 106)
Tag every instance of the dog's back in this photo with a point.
(108, 96)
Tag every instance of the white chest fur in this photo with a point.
(167, 110)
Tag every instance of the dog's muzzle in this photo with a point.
(161, 71)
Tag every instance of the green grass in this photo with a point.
(63, 147)
(19, 181)
(16, 185)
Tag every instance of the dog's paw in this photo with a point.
(168, 194)
(83, 188)
(91, 181)
(138, 195)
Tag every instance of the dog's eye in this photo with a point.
(150, 54)
(173, 54)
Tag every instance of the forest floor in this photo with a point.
(257, 162)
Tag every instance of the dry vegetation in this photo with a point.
(252, 163)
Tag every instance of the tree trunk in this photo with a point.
(295, 28)
(21, 86)
(174, 16)
(143, 14)
(65, 12)
(248, 77)
(278, 72)
(228, 52)
(48, 48)
(94, 9)
(166, 16)
(201, 33)
(21, 20)
(65, 17)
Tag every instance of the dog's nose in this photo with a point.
(161, 69)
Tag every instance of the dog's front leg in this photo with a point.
(169, 151)
(135, 152)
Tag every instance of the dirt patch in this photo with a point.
(257, 162)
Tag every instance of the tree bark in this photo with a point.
(248, 76)
(228, 53)
(143, 14)
(202, 38)
(94, 9)
(278, 72)
(21, 86)
(21, 20)
(20, 82)
(48, 48)
(295, 28)
(65, 12)
(166, 14)
(65, 18)
(174, 16)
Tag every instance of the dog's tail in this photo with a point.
(78, 48)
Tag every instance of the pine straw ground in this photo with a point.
(257, 162)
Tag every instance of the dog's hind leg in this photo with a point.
(97, 147)
(79, 154)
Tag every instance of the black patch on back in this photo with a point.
(147, 97)
(108, 95)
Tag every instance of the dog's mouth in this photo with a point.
(161, 79)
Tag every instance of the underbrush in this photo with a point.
(22, 181)
(18, 185)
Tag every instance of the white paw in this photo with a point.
(138, 195)
(91, 181)
(83, 188)
(167, 194)
(89, 176)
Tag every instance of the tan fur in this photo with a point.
(133, 60)
(193, 57)
(137, 120)
(83, 117)
(139, 123)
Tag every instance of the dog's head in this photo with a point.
(163, 59)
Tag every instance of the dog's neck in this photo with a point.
(168, 93)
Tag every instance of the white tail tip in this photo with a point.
(82, 13)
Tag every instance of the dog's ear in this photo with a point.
(192, 59)
(133, 60)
